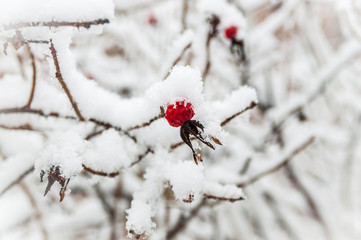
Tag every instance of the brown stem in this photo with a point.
(266, 172)
(177, 59)
(39, 216)
(25, 127)
(109, 210)
(213, 21)
(208, 58)
(280, 219)
(209, 196)
(31, 97)
(184, 15)
(311, 203)
(57, 115)
(94, 134)
(17, 41)
(59, 76)
(35, 112)
(16, 181)
(226, 121)
(183, 221)
(86, 24)
(116, 173)
(160, 115)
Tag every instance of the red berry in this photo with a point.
(179, 113)
(230, 32)
(152, 20)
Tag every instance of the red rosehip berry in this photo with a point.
(180, 112)
(230, 32)
(152, 20)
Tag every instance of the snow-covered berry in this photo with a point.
(230, 32)
(179, 113)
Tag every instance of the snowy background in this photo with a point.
(84, 88)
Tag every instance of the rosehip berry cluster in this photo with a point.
(231, 32)
(180, 115)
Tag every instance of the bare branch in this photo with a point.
(178, 59)
(266, 172)
(184, 15)
(25, 127)
(160, 115)
(31, 96)
(326, 76)
(39, 216)
(280, 218)
(311, 203)
(183, 220)
(209, 196)
(17, 180)
(213, 21)
(57, 115)
(226, 121)
(35, 112)
(18, 41)
(94, 134)
(59, 76)
(116, 173)
(86, 24)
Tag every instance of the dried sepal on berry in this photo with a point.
(180, 115)
(54, 175)
(195, 128)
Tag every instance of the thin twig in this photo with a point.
(17, 180)
(18, 41)
(116, 173)
(108, 125)
(31, 96)
(59, 76)
(183, 220)
(86, 24)
(39, 216)
(94, 134)
(213, 22)
(184, 15)
(35, 112)
(160, 115)
(326, 76)
(178, 59)
(266, 172)
(100, 173)
(226, 121)
(209, 196)
(280, 219)
(25, 127)
(311, 203)
(245, 166)
(57, 115)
